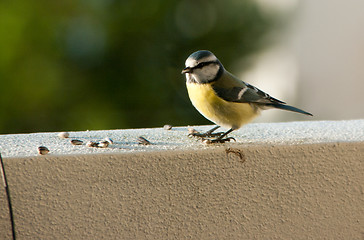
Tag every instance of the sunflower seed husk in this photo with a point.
(143, 141)
(206, 141)
(42, 150)
(109, 140)
(91, 144)
(192, 130)
(76, 142)
(63, 135)
(167, 127)
(103, 144)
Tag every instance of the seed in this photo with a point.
(109, 140)
(143, 141)
(76, 142)
(167, 127)
(91, 144)
(192, 130)
(63, 134)
(103, 144)
(206, 141)
(42, 150)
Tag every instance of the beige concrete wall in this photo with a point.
(5, 223)
(279, 191)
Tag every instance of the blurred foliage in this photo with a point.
(107, 64)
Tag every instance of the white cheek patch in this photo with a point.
(210, 71)
(205, 74)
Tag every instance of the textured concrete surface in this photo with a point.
(268, 189)
(5, 224)
(22, 145)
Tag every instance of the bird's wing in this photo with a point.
(232, 89)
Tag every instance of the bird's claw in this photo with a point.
(203, 135)
(217, 140)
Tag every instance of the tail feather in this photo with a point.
(288, 108)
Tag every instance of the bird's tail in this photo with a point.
(288, 108)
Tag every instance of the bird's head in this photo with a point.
(202, 67)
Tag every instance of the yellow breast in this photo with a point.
(221, 112)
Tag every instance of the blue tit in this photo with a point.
(222, 98)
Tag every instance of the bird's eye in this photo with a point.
(200, 65)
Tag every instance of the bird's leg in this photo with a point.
(209, 133)
(221, 138)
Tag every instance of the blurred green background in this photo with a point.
(104, 64)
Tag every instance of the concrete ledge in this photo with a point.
(269, 184)
(25, 145)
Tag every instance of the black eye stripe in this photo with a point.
(202, 64)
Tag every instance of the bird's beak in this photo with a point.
(186, 70)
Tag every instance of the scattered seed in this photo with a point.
(76, 142)
(167, 127)
(192, 130)
(206, 141)
(109, 140)
(103, 144)
(42, 150)
(143, 141)
(91, 144)
(63, 135)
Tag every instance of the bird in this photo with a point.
(223, 98)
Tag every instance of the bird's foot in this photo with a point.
(206, 134)
(217, 140)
